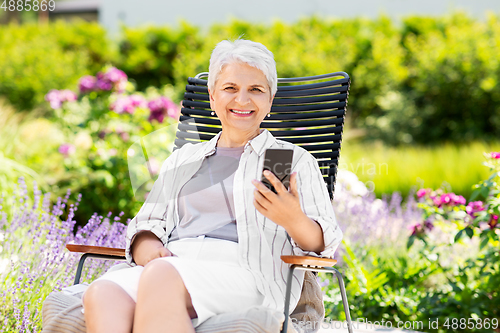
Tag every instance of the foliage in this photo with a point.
(35, 57)
(440, 275)
(423, 81)
(33, 258)
(104, 127)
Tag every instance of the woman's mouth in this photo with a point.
(241, 113)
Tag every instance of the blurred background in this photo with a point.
(424, 102)
(90, 88)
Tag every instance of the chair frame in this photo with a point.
(190, 106)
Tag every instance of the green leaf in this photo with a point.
(410, 242)
(474, 195)
(458, 235)
(469, 232)
(485, 191)
(484, 242)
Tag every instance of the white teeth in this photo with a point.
(248, 112)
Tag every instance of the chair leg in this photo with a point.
(343, 293)
(340, 279)
(80, 268)
(287, 298)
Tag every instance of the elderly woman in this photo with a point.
(209, 237)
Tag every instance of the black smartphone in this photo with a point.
(279, 162)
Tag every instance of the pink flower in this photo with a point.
(459, 200)
(495, 155)
(57, 97)
(162, 107)
(423, 192)
(87, 84)
(67, 95)
(450, 199)
(67, 149)
(474, 207)
(493, 221)
(128, 104)
(111, 79)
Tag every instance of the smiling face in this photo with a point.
(241, 99)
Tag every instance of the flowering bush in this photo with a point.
(409, 262)
(100, 124)
(478, 217)
(33, 258)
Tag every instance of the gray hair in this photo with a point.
(251, 53)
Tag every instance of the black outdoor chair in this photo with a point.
(306, 111)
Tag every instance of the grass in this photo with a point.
(387, 169)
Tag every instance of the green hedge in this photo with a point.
(37, 58)
(424, 80)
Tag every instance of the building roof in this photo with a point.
(77, 6)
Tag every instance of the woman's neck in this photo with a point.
(235, 140)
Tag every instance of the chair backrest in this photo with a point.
(306, 111)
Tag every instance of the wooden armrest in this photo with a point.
(309, 261)
(110, 251)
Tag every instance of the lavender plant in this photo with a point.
(33, 258)
(427, 270)
(375, 233)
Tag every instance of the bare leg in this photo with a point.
(108, 308)
(163, 302)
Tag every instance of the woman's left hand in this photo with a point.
(282, 208)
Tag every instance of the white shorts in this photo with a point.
(211, 273)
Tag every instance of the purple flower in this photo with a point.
(419, 228)
(103, 85)
(474, 207)
(48, 264)
(111, 79)
(495, 155)
(162, 107)
(57, 97)
(67, 149)
(128, 104)
(87, 84)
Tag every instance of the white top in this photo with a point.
(261, 241)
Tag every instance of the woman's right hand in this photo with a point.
(146, 247)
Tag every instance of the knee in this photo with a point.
(159, 271)
(98, 292)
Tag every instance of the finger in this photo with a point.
(259, 207)
(261, 199)
(263, 189)
(293, 183)
(278, 185)
(163, 252)
(170, 253)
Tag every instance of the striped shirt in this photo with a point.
(261, 241)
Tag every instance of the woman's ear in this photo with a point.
(211, 99)
(272, 98)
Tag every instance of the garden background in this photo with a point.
(424, 108)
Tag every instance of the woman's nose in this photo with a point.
(242, 97)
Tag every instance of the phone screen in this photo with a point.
(279, 162)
